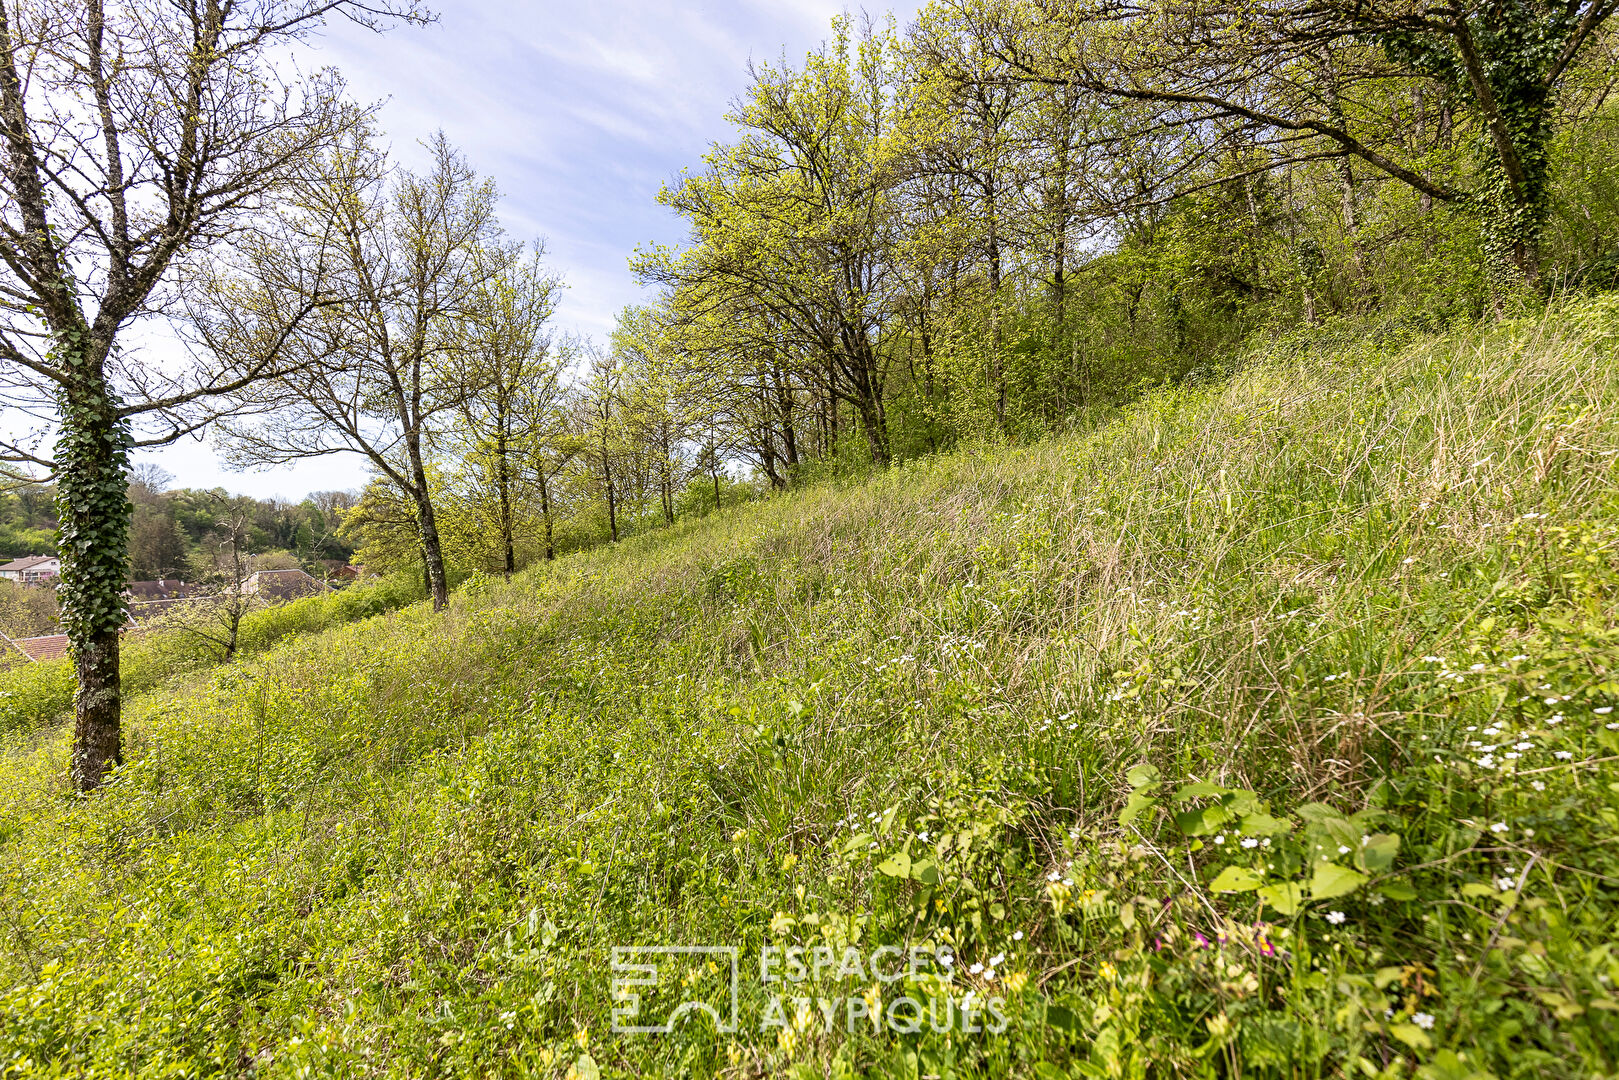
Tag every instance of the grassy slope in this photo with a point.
(405, 847)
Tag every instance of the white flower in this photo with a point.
(1250, 842)
(1537, 785)
(1612, 727)
(1423, 1021)
(1604, 711)
(1018, 936)
(1342, 850)
(1515, 659)
(1506, 884)
(975, 969)
(1409, 561)
(1551, 701)
(1555, 718)
(1499, 827)
(1433, 659)
(997, 959)
(1335, 917)
(1053, 876)
(1562, 755)
(1220, 839)
(1476, 667)
(1523, 746)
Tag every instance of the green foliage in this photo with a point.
(36, 696)
(1186, 738)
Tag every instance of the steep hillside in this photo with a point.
(1265, 729)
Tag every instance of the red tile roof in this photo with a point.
(42, 648)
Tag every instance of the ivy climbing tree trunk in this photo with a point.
(135, 136)
(93, 513)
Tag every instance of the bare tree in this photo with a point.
(382, 367)
(137, 133)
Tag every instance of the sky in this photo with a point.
(579, 111)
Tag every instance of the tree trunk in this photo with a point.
(503, 478)
(545, 512)
(427, 530)
(93, 514)
(97, 710)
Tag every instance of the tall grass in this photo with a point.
(1354, 604)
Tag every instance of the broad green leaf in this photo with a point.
(1411, 1035)
(1202, 822)
(1236, 879)
(1378, 853)
(926, 871)
(1262, 824)
(1397, 890)
(1136, 804)
(1200, 789)
(1332, 880)
(1284, 898)
(1141, 776)
(897, 865)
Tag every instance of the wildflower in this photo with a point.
(1018, 936)
(1499, 827)
(1537, 785)
(1506, 884)
(1202, 942)
(1604, 711)
(1220, 839)
(1562, 755)
(1555, 718)
(1342, 850)
(996, 960)
(1107, 970)
(975, 969)
(1423, 1021)
(1515, 659)
(1523, 746)
(1250, 842)
(1336, 918)
(1433, 659)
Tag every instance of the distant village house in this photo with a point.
(32, 570)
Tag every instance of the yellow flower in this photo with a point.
(1107, 971)
(582, 1037)
(1016, 981)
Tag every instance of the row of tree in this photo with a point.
(1013, 213)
